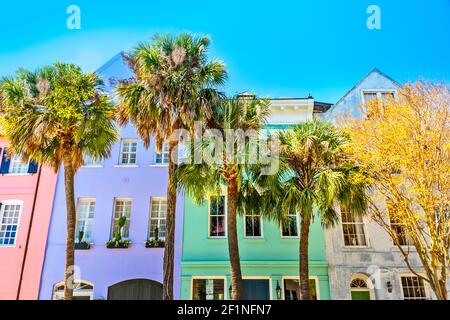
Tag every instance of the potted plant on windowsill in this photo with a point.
(82, 245)
(156, 242)
(117, 242)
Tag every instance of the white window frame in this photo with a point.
(226, 219)
(17, 160)
(92, 162)
(121, 152)
(79, 201)
(407, 245)
(128, 218)
(298, 228)
(163, 153)
(366, 238)
(425, 286)
(378, 93)
(261, 222)
(59, 295)
(158, 218)
(2, 211)
(315, 278)
(225, 289)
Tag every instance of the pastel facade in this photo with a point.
(132, 182)
(26, 196)
(268, 252)
(363, 261)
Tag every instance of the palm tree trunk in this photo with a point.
(170, 230)
(233, 245)
(71, 222)
(303, 257)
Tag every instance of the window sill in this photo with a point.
(126, 166)
(406, 248)
(289, 238)
(157, 165)
(17, 174)
(357, 248)
(255, 238)
(217, 238)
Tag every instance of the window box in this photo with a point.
(152, 243)
(122, 244)
(83, 245)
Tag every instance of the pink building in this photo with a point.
(26, 198)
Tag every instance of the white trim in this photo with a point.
(2, 210)
(261, 223)
(315, 278)
(126, 166)
(366, 237)
(377, 91)
(410, 274)
(298, 229)
(76, 293)
(225, 215)
(367, 280)
(162, 155)
(225, 288)
(158, 218)
(158, 165)
(113, 219)
(127, 140)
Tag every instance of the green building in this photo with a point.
(269, 252)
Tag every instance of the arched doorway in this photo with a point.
(359, 288)
(135, 289)
(83, 290)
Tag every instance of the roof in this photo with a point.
(362, 80)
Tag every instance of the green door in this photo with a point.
(360, 295)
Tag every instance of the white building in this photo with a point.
(363, 261)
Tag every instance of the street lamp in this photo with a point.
(278, 290)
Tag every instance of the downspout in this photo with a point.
(22, 269)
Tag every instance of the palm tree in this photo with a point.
(313, 180)
(57, 115)
(229, 166)
(174, 84)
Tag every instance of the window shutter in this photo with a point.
(32, 167)
(4, 168)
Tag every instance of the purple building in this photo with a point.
(131, 183)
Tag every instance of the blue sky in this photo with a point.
(272, 48)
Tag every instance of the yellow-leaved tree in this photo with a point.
(403, 146)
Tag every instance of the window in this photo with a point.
(128, 152)
(291, 289)
(9, 222)
(85, 218)
(253, 225)
(290, 228)
(17, 166)
(413, 288)
(92, 162)
(81, 291)
(359, 289)
(122, 207)
(380, 95)
(400, 232)
(208, 289)
(217, 217)
(353, 229)
(158, 217)
(163, 156)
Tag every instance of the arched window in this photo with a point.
(359, 289)
(83, 290)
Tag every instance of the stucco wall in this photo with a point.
(22, 187)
